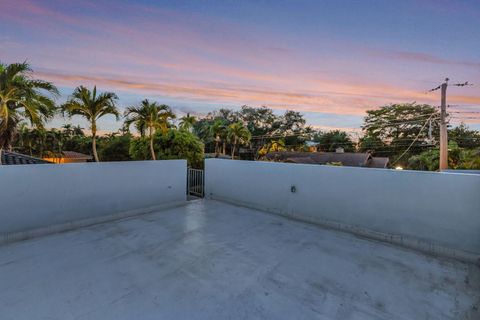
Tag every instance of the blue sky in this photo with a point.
(330, 60)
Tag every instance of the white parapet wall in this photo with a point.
(42, 198)
(433, 212)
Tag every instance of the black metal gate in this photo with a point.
(195, 182)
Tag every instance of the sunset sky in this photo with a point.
(331, 60)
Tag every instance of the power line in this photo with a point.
(418, 135)
(383, 125)
(308, 135)
(466, 118)
(464, 105)
(465, 112)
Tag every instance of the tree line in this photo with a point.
(406, 133)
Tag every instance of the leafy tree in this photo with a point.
(115, 148)
(149, 116)
(266, 127)
(41, 142)
(201, 128)
(262, 123)
(400, 121)
(22, 97)
(428, 160)
(292, 127)
(259, 121)
(395, 127)
(272, 146)
(139, 149)
(373, 144)
(187, 122)
(218, 130)
(78, 143)
(464, 137)
(238, 133)
(54, 141)
(458, 158)
(39, 136)
(227, 115)
(212, 129)
(176, 144)
(91, 106)
(69, 131)
(331, 140)
(25, 139)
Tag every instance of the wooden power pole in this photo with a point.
(443, 122)
(443, 129)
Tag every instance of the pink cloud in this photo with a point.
(350, 100)
(171, 56)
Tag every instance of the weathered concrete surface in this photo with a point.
(210, 260)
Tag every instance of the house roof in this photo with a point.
(379, 162)
(76, 155)
(311, 143)
(349, 159)
(300, 160)
(8, 158)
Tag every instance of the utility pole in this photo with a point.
(443, 122)
(443, 129)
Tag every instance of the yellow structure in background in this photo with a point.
(70, 157)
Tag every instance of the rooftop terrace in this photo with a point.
(211, 260)
(119, 241)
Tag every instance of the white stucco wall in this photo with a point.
(43, 196)
(419, 209)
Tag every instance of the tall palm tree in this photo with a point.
(216, 131)
(238, 133)
(22, 97)
(149, 116)
(187, 122)
(91, 106)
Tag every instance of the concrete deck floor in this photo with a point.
(211, 260)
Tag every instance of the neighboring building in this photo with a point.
(349, 159)
(312, 146)
(70, 157)
(219, 156)
(9, 158)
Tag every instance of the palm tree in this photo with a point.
(88, 104)
(22, 97)
(149, 116)
(67, 130)
(187, 122)
(24, 138)
(238, 133)
(216, 130)
(78, 131)
(39, 138)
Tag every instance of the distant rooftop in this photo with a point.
(349, 159)
(69, 157)
(11, 158)
(76, 155)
